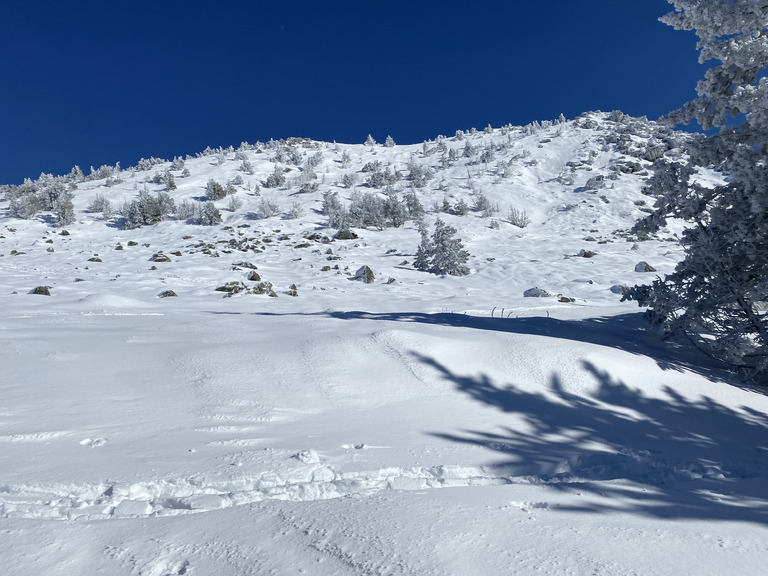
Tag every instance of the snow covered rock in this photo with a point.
(160, 257)
(365, 274)
(307, 457)
(128, 508)
(596, 182)
(536, 292)
(644, 267)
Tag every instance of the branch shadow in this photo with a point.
(626, 332)
(658, 457)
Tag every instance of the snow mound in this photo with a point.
(112, 302)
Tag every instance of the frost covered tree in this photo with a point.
(422, 261)
(419, 175)
(718, 294)
(100, 204)
(24, 200)
(214, 191)
(185, 210)
(64, 209)
(394, 209)
(448, 254)
(348, 180)
(147, 210)
(276, 179)
(367, 210)
(49, 191)
(414, 206)
(337, 215)
(268, 209)
(166, 204)
(207, 214)
(441, 253)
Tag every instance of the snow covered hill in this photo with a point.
(578, 183)
(199, 397)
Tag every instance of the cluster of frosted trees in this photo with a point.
(718, 295)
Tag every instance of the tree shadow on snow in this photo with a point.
(627, 332)
(671, 457)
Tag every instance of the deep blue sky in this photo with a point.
(97, 82)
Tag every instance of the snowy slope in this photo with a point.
(416, 425)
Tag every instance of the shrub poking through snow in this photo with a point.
(518, 218)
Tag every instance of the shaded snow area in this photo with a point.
(417, 424)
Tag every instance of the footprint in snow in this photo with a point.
(93, 442)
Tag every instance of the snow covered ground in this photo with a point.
(416, 425)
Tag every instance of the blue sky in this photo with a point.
(99, 82)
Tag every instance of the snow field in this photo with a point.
(205, 434)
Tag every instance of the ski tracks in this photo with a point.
(190, 495)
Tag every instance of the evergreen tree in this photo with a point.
(414, 206)
(207, 214)
(367, 210)
(64, 209)
(214, 191)
(276, 179)
(424, 251)
(394, 209)
(49, 192)
(337, 215)
(441, 253)
(166, 204)
(718, 293)
(24, 206)
(448, 254)
(348, 180)
(147, 210)
(133, 217)
(76, 175)
(419, 175)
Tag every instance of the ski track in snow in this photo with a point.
(190, 495)
(34, 436)
(106, 500)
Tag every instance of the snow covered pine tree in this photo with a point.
(718, 294)
(442, 253)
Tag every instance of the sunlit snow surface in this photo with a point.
(417, 425)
